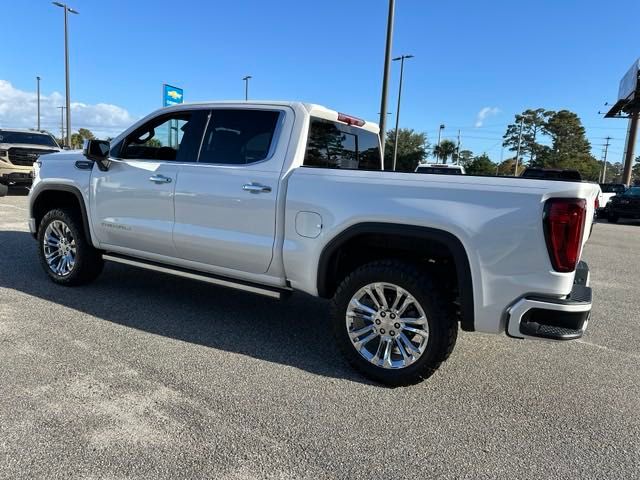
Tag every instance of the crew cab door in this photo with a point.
(225, 205)
(132, 202)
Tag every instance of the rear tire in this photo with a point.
(66, 255)
(396, 362)
(611, 218)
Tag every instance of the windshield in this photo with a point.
(31, 138)
(632, 192)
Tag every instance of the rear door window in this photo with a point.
(335, 145)
(239, 137)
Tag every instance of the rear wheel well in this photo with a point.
(436, 252)
(55, 198)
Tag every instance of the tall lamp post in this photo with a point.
(395, 142)
(67, 10)
(38, 89)
(439, 137)
(385, 76)
(246, 86)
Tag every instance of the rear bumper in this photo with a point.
(535, 316)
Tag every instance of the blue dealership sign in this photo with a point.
(171, 95)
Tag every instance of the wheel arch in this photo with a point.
(59, 195)
(416, 237)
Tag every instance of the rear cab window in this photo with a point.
(340, 146)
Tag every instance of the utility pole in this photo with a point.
(515, 173)
(67, 10)
(38, 83)
(62, 125)
(630, 148)
(385, 76)
(604, 161)
(246, 86)
(395, 142)
(458, 149)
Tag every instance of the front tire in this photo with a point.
(65, 253)
(392, 323)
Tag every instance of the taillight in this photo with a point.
(563, 228)
(597, 203)
(349, 120)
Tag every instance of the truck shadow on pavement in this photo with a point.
(294, 332)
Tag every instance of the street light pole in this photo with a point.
(67, 10)
(246, 86)
(385, 76)
(38, 82)
(439, 136)
(395, 140)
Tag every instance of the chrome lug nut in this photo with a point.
(393, 316)
(382, 331)
(378, 322)
(392, 333)
(397, 325)
(383, 314)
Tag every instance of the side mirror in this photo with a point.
(97, 151)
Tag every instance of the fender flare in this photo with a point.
(453, 243)
(60, 187)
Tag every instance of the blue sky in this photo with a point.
(470, 55)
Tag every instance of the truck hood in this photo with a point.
(31, 146)
(63, 155)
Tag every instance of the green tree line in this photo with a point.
(549, 139)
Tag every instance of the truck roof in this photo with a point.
(312, 108)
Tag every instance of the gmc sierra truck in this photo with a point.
(272, 197)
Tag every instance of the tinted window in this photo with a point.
(27, 138)
(632, 192)
(238, 137)
(440, 170)
(334, 145)
(173, 137)
(612, 188)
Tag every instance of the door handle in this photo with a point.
(159, 179)
(256, 188)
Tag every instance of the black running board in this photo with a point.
(266, 291)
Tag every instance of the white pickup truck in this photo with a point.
(271, 197)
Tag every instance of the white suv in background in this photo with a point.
(19, 149)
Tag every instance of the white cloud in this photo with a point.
(485, 113)
(18, 109)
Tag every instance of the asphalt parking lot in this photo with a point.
(141, 375)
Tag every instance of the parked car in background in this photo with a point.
(271, 197)
(19, 149)
(552, 174)
(609, 190)
(624, 205)
(440, 169)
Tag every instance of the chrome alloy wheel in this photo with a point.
(59, 248)
(387, 325)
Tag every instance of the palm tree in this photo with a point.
(443, 151)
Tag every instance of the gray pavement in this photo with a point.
(142, 375)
